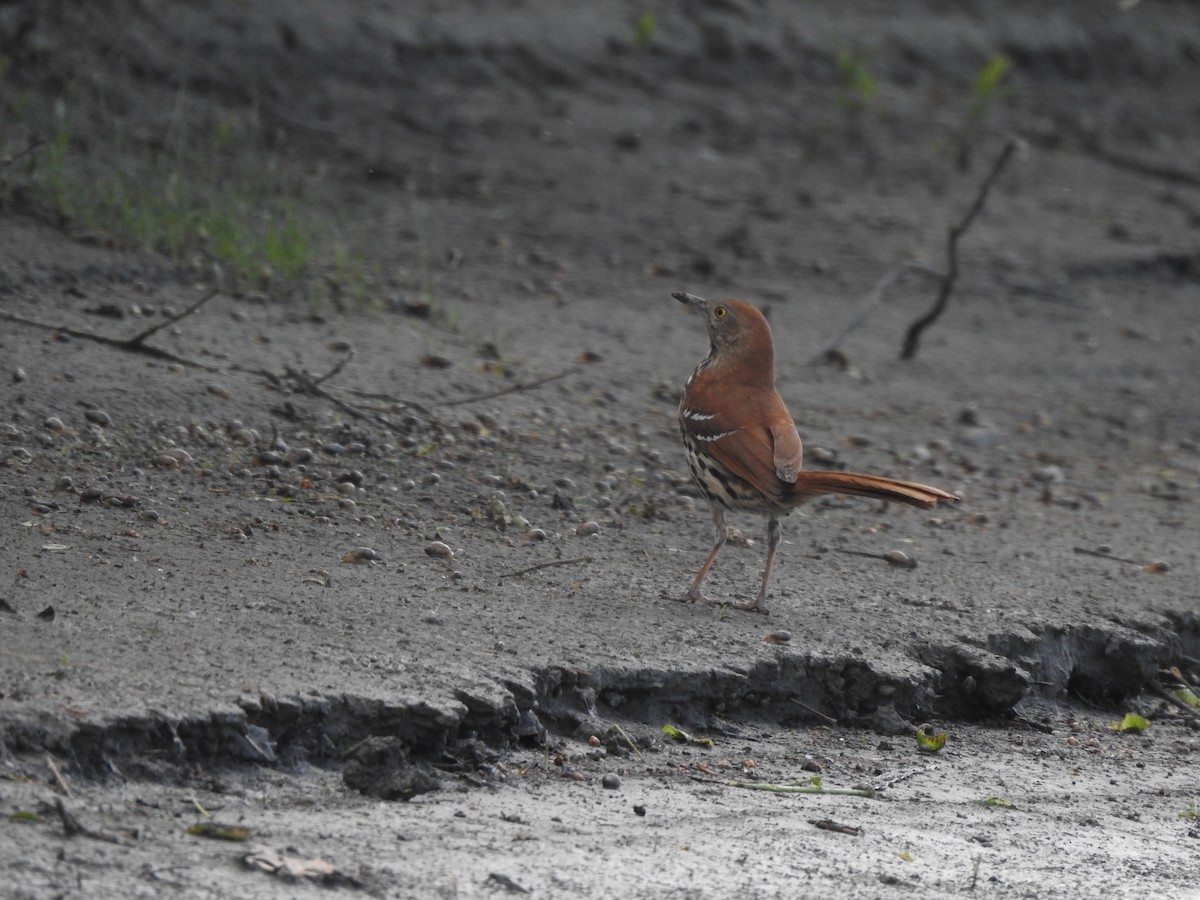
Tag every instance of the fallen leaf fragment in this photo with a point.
(294, 868)
(1186, 697)
(1131, 723)
(682, 737)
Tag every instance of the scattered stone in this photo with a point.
(900, 559)
(1048, 475)
(439, 550)
(361, 555)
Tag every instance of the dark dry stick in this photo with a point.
(460, 401)
(913, 338)
(547, 565)
(33, 145)
(336, 369)
(1100, 554)
(828, 720)
(1171, 698)
(134, 344)
(512, 389)
(868, 305)
(830, 825)
(138, 339)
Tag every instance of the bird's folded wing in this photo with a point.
(747, 451)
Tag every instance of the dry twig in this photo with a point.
(867, 307)
(912, 339)
(547, 565)
(135, 344)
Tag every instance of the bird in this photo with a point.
(741, 443)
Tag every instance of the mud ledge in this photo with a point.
(950, 682)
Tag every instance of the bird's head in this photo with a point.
(737, 332)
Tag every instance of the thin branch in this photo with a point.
(912, 339)
(511, 389)
(547, 565)
(828, 720)
(1171, 698)
(138, 339)
(869, 793)
(867, 307)
(336, 369)
(58, 775)
(34, 144)
(1169, 174)
(130, 345)
(1100, 554)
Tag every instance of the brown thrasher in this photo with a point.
(742, 445)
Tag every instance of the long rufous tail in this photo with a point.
(811, 482)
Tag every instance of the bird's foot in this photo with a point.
(689, 597)
(756, 605)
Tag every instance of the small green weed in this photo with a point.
(856, 86)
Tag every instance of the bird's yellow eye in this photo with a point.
(719, 312)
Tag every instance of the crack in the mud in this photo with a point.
(963, 681)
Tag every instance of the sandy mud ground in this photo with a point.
(366, 568)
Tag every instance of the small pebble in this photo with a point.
(900, 559)
(244, 436)
(611, 780)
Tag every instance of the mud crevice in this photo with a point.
(964, 680)
(1098, 664)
